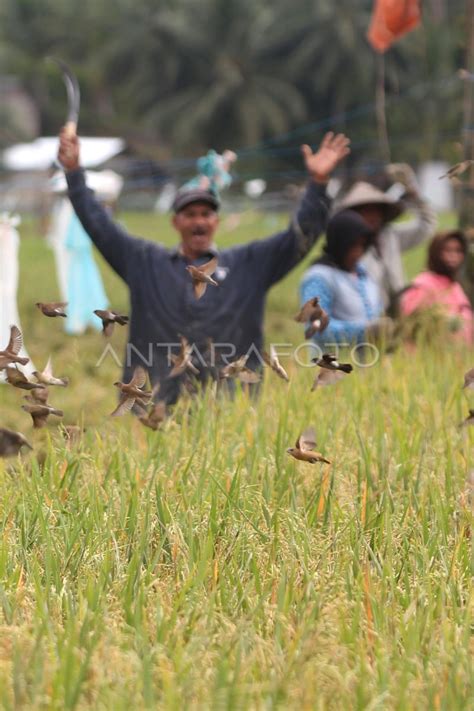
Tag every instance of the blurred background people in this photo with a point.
(345, 289)
(438, 286)
(79, 279)
(383, 261)
(9, 247)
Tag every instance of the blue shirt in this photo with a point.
(351, 300)
(163, 304)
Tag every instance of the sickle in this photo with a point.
(73, 96)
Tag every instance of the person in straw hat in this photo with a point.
(383, 260)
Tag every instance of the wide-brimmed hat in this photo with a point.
(363, 193)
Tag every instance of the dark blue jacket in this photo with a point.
(163, 304)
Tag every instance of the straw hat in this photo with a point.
(363, 193)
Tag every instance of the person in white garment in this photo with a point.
(79, 280)
(9, 271)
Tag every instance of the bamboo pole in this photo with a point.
(380, 109)
(466, 208)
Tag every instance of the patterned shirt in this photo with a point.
(351, 299)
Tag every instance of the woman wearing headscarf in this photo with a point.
(383, 260)
(438, 286)
(343, 286)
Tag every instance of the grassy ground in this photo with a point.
(201, 567)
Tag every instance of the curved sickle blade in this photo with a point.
(73, 95)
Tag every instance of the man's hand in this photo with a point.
(331, 151)
(68, 154)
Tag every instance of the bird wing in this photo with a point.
(267, 358)
(329, 377)
(329, 359)
(460, 168)
(139, 377)
(274, 357)
(273, 354)
(307, 440)
(234, 368)
(279, 370)
(155, 389)
(199, 288)
(16, 340)
(39, 395)
(39, 420)
(107, 328)
(324, 319)
(15, 376)
(48, 371)
(178, 366)
(307, 310)
(57, 304)
(39, 414)
(209, 267)
(124, 406)
(158, 413)
(240, 362)
(271, 359)
(140, 409)
(248, 376)
(190, 366)
(185, 348)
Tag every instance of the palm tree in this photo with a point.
(232, 87)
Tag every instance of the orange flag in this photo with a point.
(391, 19)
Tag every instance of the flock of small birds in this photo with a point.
(36, 402)
(134, 396)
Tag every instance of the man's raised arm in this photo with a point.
(277, 255)
(109, 238)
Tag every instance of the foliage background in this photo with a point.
(199, 566)
(174, 77)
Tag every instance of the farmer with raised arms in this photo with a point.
(163, 301)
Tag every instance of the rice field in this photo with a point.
(201, 567)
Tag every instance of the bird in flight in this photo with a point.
(455, 170)
(304, 449)
(53, 308)
(10, 353)
(11, 442)
(47, 378)
(19, 380)
(109, 319)
(202, 276)
(314, 315)
(271, 359)
(132, 392)
(331, 371)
